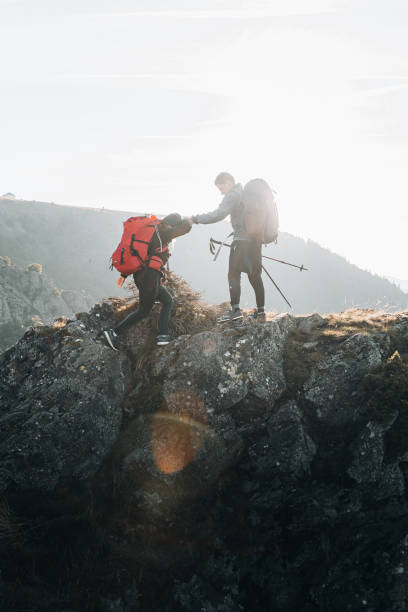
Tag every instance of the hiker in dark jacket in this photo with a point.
(148, 282)
(245, 253)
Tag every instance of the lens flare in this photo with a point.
(178, 431)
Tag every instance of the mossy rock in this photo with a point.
(387, 389)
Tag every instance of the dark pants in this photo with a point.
(150, 290)
(246, 256)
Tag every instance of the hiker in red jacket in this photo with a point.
(148, 281)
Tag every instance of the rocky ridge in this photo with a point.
(256, 467)
(28, 296)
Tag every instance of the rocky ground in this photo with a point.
(261, 466)
(27, 297)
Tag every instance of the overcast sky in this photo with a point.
(137, 105)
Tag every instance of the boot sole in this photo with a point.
(231, 320)
(109, 341)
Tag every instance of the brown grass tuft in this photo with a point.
(190, 314)
(356, 320)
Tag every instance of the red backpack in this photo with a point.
(131, 254)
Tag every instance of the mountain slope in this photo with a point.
(74, 246)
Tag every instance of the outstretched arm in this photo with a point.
(229, 201)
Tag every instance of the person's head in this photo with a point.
(171, 220)
(224, 181)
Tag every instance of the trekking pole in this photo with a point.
(265, 270)
(301, 268)
(212, 249)
(213, 242)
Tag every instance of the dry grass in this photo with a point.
(190, 314)
(341, 325)
(366, 321)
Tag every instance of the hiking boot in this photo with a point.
(231, 315)
(112, 339)
(163, 339)
(257, 315)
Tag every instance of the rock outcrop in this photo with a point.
(254, 467)
(28, 296)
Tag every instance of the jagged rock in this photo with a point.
(391, 482)
(292, 447)
(368, 465)
(222, 368)
(334, 386)
(190, 440)
(202, 475)
(306, 323)
(60, 393)
(368, 454)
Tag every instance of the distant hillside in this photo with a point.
(27, 296)
(330, 284)
(74, 246)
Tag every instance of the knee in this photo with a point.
(145, 307)
(165, 297)
(255, 278)
(168, 301)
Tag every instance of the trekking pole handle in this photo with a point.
(212, 242)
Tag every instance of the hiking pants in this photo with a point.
(150, 290)
(246, 256)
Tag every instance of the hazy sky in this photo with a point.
(137, 105)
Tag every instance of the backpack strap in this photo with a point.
(137, 240)
(135, 251)
(158, 236)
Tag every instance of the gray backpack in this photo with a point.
(260, 211)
